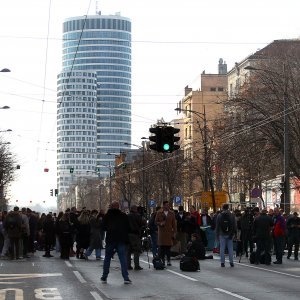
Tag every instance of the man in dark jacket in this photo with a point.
(262, 227)
(136, 222)
(13, 227)
(116, 225)
(226, 228)
(293, 227)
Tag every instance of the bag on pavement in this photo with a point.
(158, 263)
(189, 264)
(265, 258)
(252, 257)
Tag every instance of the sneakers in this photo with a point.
(103, 280)
(129, 268)
(288, 257)
(231, 265)
(169, 263)
(138, 268)
(127, 281)
(98, 258)
(222, 265)
(277, 262)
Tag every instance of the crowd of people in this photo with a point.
(172, 232)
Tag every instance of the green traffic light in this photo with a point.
(166, 147)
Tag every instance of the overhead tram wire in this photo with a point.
(148, 41)
(45, 75)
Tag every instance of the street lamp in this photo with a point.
(207, 177)
(143, 173)
(286, 156)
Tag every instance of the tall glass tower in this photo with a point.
(101, 45)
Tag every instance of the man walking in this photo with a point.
(226, 228)
(116, 225)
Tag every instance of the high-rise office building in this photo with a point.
(94, 96)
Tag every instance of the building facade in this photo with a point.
(99, 45)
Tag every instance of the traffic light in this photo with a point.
(71, 170)
(164, 139)
(156, 144)
(169, 139)
(56, 192)
(51, 192)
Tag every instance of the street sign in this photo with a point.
(177, 200)
(152, 203)
(256, 193)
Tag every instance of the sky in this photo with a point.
(173, 42)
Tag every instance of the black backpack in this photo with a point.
(158, 263)
(189, 264)
(225, 223)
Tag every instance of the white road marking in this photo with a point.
(33, 264)
(31, 275)
(79, 277)
(68, 264)
(176, 273)
(231, 294)
(96, 296)
(268, 270)
(182, 275)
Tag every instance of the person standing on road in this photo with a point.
(154, 232)
(226, 228)
(116, 225)
(167, 228)
(13, 227)
(262, 228)
(95, 235)
(279, 235)
(293, 227)
(136, 222)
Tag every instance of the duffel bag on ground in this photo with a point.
(265, 258)
(189, 264)
(158, 263)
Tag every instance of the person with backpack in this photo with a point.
(226, 229)
(13, 227)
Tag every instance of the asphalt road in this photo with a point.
(53, 278)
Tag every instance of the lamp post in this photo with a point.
(286, 156)
(144, 200)
(207, 178)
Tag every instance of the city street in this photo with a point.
(42, 278)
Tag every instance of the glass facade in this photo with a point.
(76, 126)
(99, 45)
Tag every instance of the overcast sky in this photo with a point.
(172, 43)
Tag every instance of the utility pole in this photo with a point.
(286, 146)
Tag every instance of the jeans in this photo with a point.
(110, 250)
(89, 251)
(226, 241)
